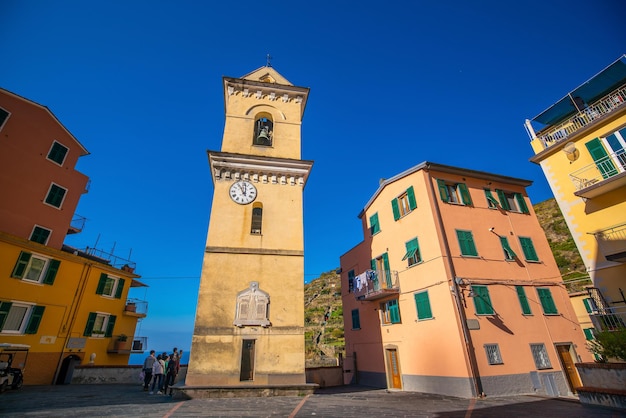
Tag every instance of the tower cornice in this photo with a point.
(266, 91)
(229, 166)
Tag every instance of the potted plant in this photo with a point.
(121, 341)
(131, 307)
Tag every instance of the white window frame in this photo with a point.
(493, 354)
(5, 121)
(48, 194)
(113, 287)
(42, 273)
(453, 193)
(23, 321)
(513, 205)
(41, 227)
(50, 150)
(540, 356)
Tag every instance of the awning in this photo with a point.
(593, 89)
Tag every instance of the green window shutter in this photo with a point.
(465, 195)
(490, 198)
(547, 303)
(356, 321)
(466, 242)
(503, 202)
(443, 190)
(523, 300)
(394, 312)
(20, 266)
(482, 301)
(110, 325)
(101, 284)
(51, 273)
(350, 281)
(601, 158)
(588, 305)
(411, 248)
(120, 288)
(373, 264)
(410, 193)
(529, 249)
(396, 209)
(589, 334)
(91, 320)
(374, 225)
(422, 303)
(35, 320)
(387, 272)
(509, 254)
(521, 202)
(5, 307)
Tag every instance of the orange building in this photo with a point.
(69, 305)
(454, 290)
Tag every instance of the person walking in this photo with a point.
(157, 371)
(147, 370)
(170, 375)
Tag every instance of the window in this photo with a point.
(412, 255)
(263, 131)
(540, 355)
(404, 203)
(55, 196)
(509, 254)
(57, 153)
(523, 300)
(528, 248)
(20, 318)
(110, 286)
(257, 219)
(547, 303)
(617, 142)
(492, 203)
(374, 224)
(351, 281)
(99, 324)
(514, 202)
(356, 320)
(4, 115)
(454, 193)
(590, 305)
(35, 268)
(466, 243)
(601, 158)
(482, 301)
(40, 235)
(589, 334)
(422, 304)
(493, 354)
(390, 312)
(381, 265)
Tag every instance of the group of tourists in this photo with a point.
(161, 371)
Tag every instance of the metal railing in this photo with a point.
(600, 170)
(125, 344)
(111, 259)
(136, 306)
(373, 282)
(612, 240)
(559, 132)
(609, 319)
(77, 224)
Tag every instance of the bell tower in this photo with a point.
(249, 327)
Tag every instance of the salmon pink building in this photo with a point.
(454, 290)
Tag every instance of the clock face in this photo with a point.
(242, 192)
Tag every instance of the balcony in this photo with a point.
(609, 319)
(598, 97)
(77, 224)
(122, 344)
(373, 285)
(600, 177)
(137, 308)
(612, 243)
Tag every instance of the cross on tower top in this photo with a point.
(269, 60)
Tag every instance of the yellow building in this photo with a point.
(70, 306)
(579, 143)
(249, 328)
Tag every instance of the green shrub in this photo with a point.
(609, 344)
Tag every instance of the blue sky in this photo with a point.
(393, 84)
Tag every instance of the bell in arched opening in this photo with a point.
(263, 132)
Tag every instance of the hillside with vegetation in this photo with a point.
(323, 313)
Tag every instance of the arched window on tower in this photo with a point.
(257, 219)
(263, 131)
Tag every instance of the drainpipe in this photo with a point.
(454, 286)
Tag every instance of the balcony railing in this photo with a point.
(136, 307)
(130, 345)
(612, 243)
(373, 284)
(603, 175)
(609, 319)
(77, 224)
(561, 131)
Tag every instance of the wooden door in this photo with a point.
(394, 369)
(567, 362)
(247, 361)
